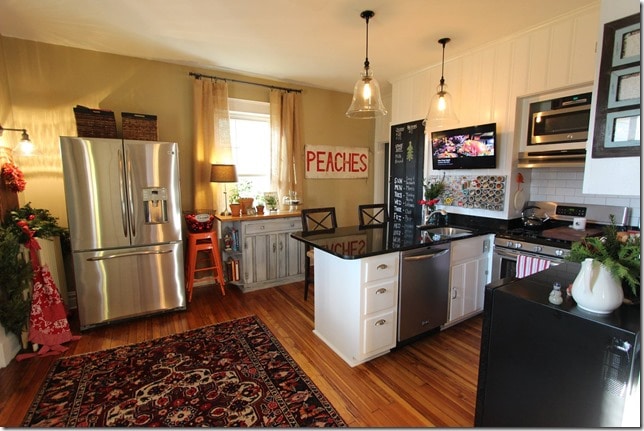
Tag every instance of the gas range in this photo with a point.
(529, 241)
(540, 242)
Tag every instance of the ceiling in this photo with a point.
(317, 43)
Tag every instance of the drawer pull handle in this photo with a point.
(382, 266)
(380, 322)
(381, 291)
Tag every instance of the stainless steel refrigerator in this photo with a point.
(124, 213)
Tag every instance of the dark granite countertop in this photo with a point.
(353, 242)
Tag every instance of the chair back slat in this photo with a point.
(372, 215)
(319, 220)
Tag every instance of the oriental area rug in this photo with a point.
(234, 373)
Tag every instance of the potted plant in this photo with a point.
(618, 251)
(244, 189)
(235, 206)
(271, 201)
(260, 204)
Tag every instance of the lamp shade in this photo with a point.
(220, 173)
(441, 111)
(366, 102)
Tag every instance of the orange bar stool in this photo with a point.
(199, 243)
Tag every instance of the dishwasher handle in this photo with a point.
(425, 256)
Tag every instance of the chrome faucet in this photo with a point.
(429, 217)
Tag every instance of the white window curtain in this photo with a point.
(287, 151)
(212, 141)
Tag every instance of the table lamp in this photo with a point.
(220, 173)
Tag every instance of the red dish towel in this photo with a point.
(528, 265)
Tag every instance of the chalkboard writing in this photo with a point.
(406, 179)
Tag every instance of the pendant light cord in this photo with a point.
(367, 14)
(443, 42)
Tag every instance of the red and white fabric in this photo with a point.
(528, 265)
(48, 325)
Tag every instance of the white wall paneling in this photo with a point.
(486, 83)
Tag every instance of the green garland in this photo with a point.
(15, 284)
(622, 258)
(40, 222)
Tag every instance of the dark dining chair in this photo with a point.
(372, 215)
(315, 221)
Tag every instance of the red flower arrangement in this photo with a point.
(13, 177)
(430, 202)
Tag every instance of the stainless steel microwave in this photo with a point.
(561, 120)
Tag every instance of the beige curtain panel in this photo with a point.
(287, 149)
(212, 141)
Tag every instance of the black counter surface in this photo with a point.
(353, 242)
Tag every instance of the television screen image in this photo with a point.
(472, 147)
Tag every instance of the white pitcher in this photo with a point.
(595, 289)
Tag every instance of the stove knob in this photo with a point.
(537, 248)
(518, 245)
(510, 244)
(559, 252)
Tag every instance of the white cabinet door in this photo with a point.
(469, 274)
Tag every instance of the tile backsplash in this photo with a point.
(566, 185)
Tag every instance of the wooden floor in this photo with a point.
(431, 382)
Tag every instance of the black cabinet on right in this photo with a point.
(545, 365)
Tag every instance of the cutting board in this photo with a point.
(567, 233)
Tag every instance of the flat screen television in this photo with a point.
(472, 147)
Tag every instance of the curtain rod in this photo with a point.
(199, 76)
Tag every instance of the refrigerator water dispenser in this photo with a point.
(155, 204)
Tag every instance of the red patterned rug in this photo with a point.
(234, 373)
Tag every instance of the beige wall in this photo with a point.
(44, 82)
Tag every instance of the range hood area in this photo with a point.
(552, 159)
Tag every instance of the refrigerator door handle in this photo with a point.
(123, 194)
(134, 253)
(128, 176)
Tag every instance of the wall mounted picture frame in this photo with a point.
(617, 117)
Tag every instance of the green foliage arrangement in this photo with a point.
(15, 284)
(40, 221)
(619, 253)
(433, 190)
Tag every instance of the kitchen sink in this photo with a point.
(447, 232)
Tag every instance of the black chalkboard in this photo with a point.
(407, 153)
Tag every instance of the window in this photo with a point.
(250, 138)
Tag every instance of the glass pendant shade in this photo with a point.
(366, 102)
(441, 110)
(441, 113)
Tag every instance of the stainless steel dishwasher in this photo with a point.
(424, 290)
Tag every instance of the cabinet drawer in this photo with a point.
(380, 267)
(379, 333)
(380, 296)
(269, 226)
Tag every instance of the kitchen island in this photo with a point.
(357, 287)
(547, 365)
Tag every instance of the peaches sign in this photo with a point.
(322, 161)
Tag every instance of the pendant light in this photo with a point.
(441, 109)
(366, 101)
